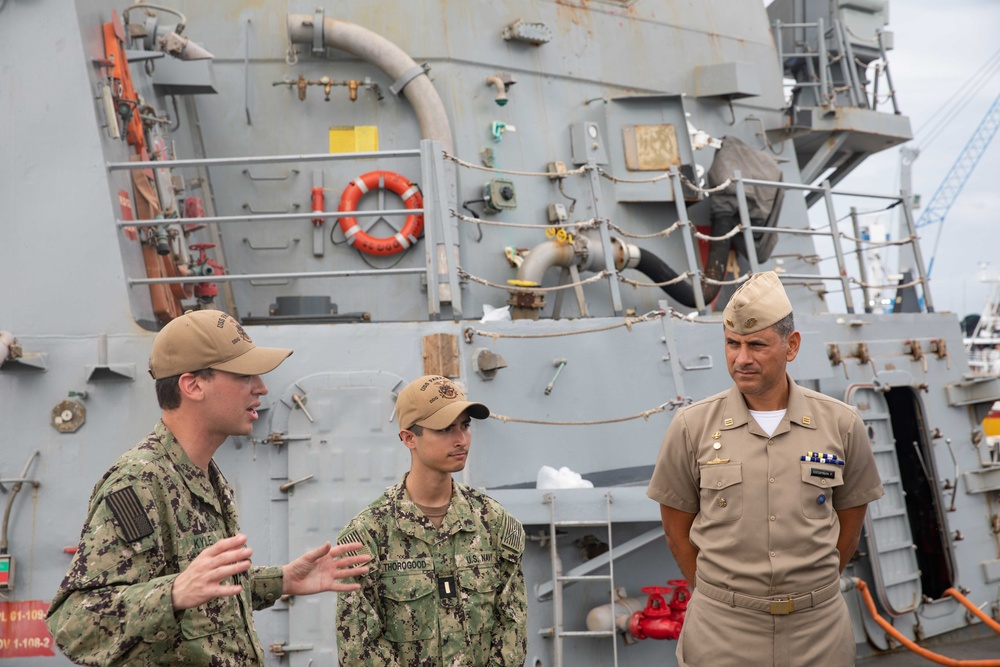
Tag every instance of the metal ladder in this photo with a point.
(559, 579)
(820, 63)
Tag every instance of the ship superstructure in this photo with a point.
(362, 181)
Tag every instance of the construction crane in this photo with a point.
(949, 189)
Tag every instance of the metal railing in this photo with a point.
(434, 197)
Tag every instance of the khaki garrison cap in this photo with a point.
(201, 339)
(757, 304)
(434, 402)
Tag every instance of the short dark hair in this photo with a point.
(784, 327)
(416, 430)
(168, 392)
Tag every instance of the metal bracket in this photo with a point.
(409, 75)
(700, 367)
(318, 49)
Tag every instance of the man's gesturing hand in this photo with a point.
(201, 580)
(321, 569)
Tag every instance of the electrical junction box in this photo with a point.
(499, 195)
(557, 213)
(586, 143)
(6, 572)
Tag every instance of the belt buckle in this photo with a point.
(782, 607)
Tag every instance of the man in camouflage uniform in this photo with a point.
(162, 575)
(446, 587)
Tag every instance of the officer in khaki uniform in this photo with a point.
(162, 575)
(446, 586)
(763, 490)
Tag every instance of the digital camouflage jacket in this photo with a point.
(150, 515)
(452, 596)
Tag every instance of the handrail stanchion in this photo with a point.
(862, 268)
(430, 230)
(845, 281)
(741, 201)
(602, 227)
(918, 256)
(687, 228)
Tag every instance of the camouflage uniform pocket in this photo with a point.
(478, 586)
(410, 607)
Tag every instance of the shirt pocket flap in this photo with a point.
(721, 475)
(481, 579)
(408, 587)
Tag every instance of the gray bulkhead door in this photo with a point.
(344, 445)
(890, 542)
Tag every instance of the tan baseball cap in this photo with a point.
(435, 402)
(757, 304)
(201, 339)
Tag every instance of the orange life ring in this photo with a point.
(408, 192)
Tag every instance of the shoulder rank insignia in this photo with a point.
(129, 514)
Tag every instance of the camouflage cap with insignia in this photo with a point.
(435, 402)
(757, 304)
(201, 339)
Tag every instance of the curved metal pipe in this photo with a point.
(543, 257)
(501, 98)
(389, 58)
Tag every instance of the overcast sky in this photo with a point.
(938, 45)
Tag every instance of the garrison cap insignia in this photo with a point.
(129, 514)
(806, 419)
(728, 421)
(750, 322)
(729, 323)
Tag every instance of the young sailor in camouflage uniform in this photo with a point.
(162, 575)
(446, 587)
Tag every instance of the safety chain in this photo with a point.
(635, 283)
(581, 224)
(618, 179)
(663, 232)
(462, 273)
(728, 235)
(590, 223)
(735, 281)
(645, 414)
(912, 283)
(693, 317)
(584, 169)
(651, 316)
(706, 191)
(459, 161)
(908, 239)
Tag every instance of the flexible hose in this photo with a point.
(922, 652)
(652, 266)
(973, 608)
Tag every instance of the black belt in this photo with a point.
(777, 605)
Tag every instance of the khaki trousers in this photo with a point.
(718, 635)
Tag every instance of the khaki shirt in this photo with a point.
(435, 597)
(150, 516)
(766, 521)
